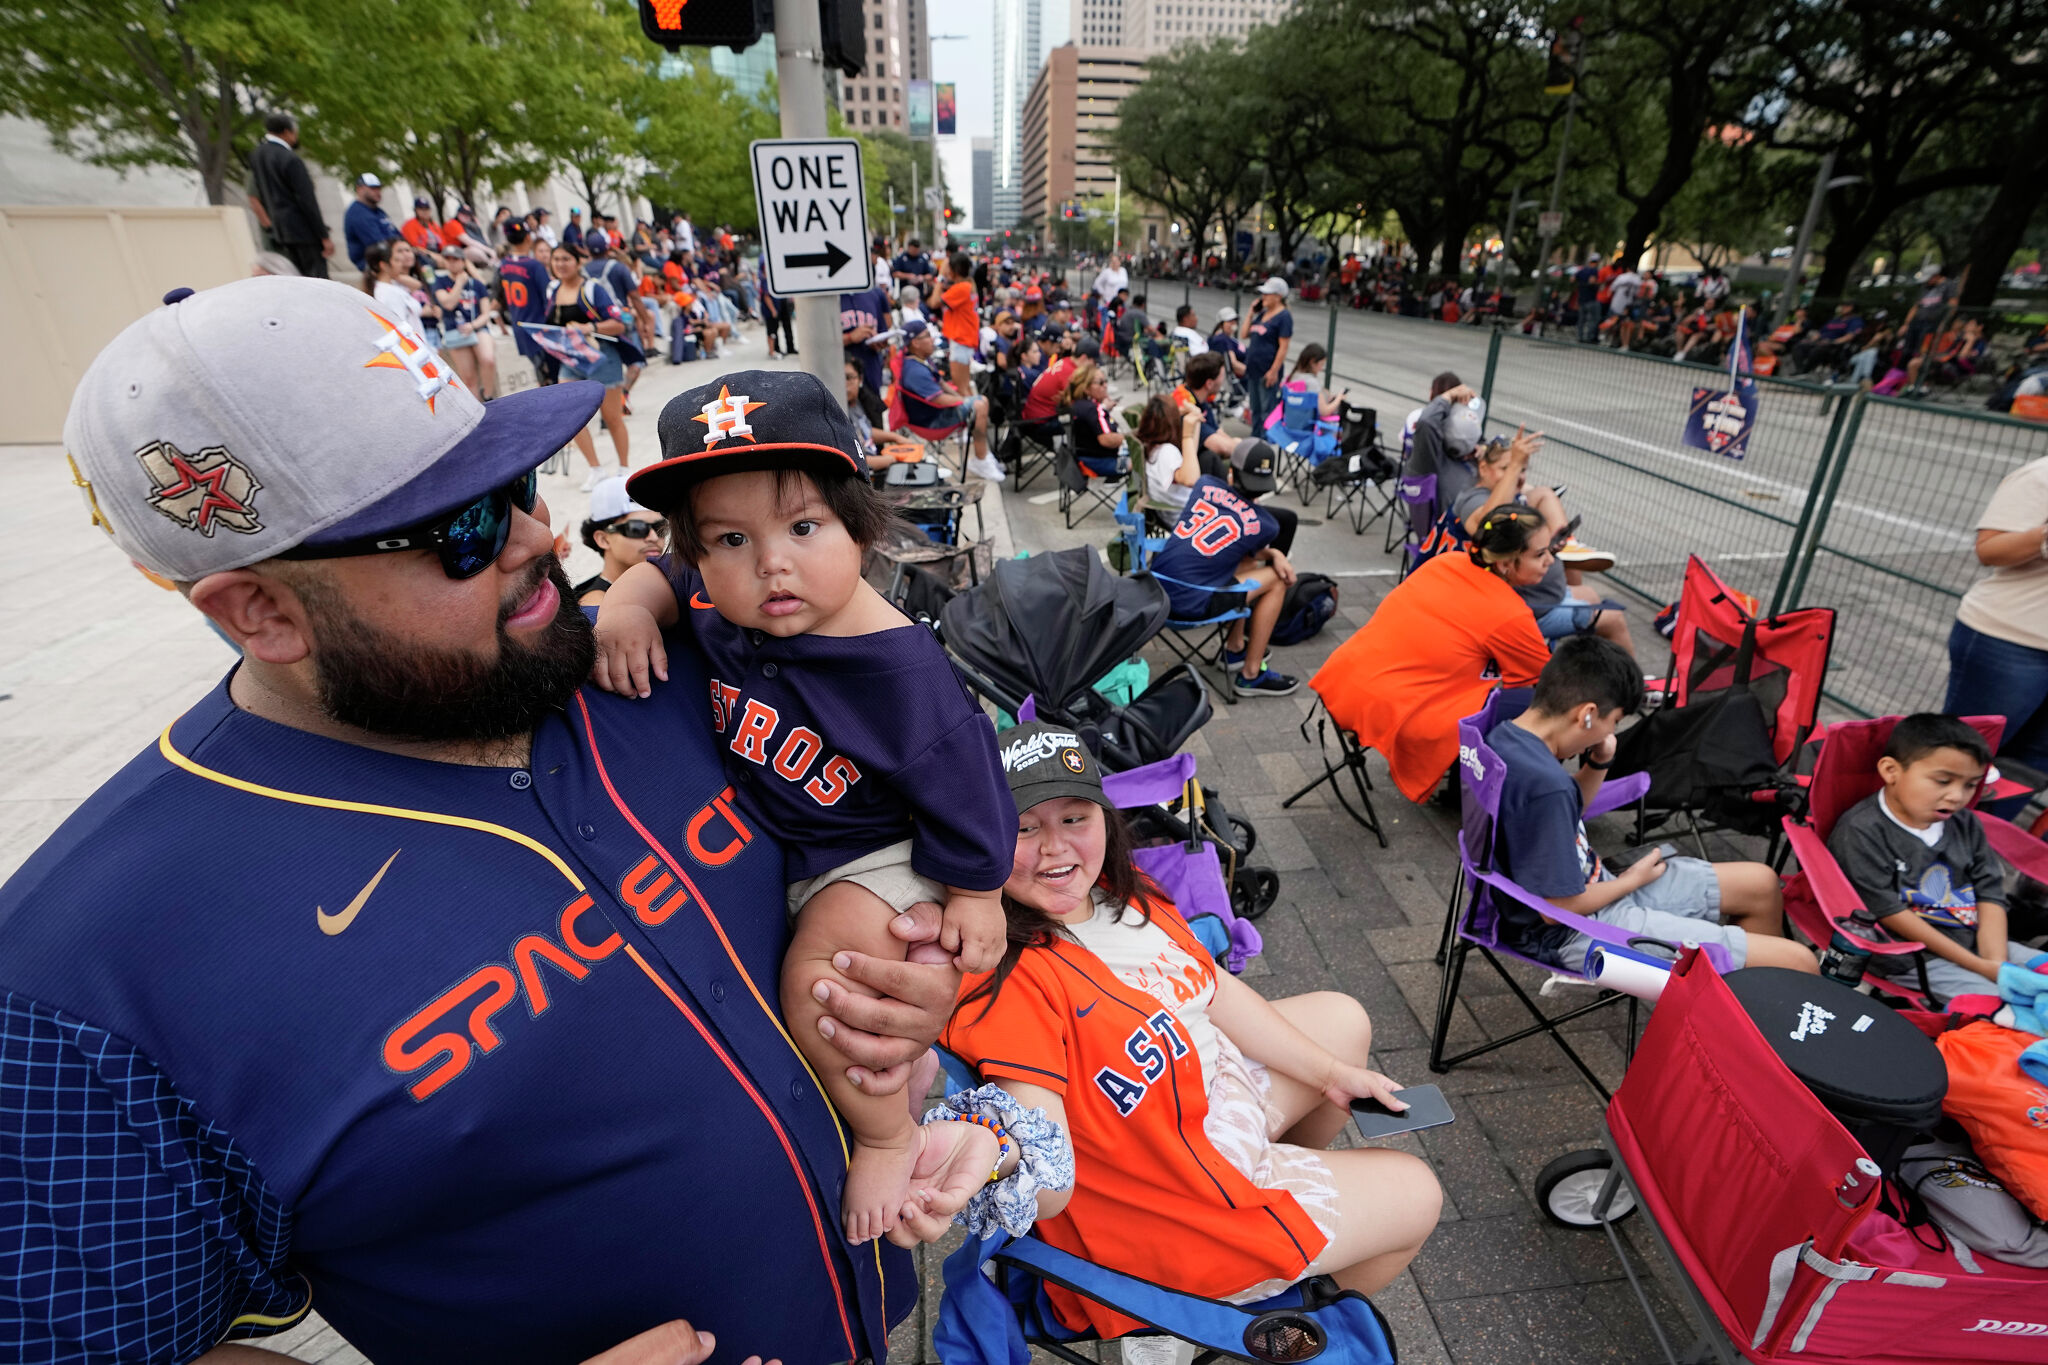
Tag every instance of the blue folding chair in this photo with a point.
(1473, 920)
(1210, 633)
(1302, 436)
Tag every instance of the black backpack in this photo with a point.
(1310, 602)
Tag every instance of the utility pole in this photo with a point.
(1116, 227)
(1823, 181)
(800, 77)
(1564, 147)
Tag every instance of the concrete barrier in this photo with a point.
(71, 277)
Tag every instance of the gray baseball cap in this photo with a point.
(236, 423)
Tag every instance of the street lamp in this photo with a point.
(939, 211)
(1823, 181)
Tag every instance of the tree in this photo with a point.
(1672, 72)
(1887, 85)
(1443, 106)
(1180, 141)
(127, 83)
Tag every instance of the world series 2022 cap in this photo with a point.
(748, 420)
(1045, 762)
(236, 423)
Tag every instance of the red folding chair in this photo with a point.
(1818, 897)
(1768, 1208)
(933, 439)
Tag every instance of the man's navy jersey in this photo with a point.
(523, 280)
(853, 743)
(482, 1061)
(867, 308)
(921, 384)
(1217, 528)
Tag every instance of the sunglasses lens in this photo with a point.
(477, 535)
(525, 490)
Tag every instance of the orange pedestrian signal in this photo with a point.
(706, 23)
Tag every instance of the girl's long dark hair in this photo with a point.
(1030, 927)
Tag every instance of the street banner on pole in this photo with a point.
(1721, 420)
(920, 100)
(814, 225)
(946, 106)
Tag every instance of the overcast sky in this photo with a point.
(969, 62)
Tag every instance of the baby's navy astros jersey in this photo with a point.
(482, 1063)
(856, 742)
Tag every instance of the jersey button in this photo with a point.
(757, 636)
(769, 670)
(718, 991)
(587, 830)
(796, 1090)
(521, 779)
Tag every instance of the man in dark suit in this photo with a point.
(281, 194)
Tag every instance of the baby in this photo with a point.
(847, 734)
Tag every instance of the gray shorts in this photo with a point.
(1944, 978)
(1682, 906)
(886, 872)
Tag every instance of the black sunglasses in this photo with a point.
(637, 529)
(468, 540)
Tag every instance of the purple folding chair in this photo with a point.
(1417, 499)
(1473, 920)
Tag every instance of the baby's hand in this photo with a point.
(974, 929)
(628, 649)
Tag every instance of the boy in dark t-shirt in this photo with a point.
(847, 733)
(1220, 557)
(1919, 862)
(1589, 686)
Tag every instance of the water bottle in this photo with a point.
(1845, 959)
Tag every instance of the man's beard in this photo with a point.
(376, 682)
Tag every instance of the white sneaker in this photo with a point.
(987, 467)
(595, 477)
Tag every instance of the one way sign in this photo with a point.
(814, 222)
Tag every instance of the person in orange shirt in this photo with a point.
(962, 321)
(1404, 679)
(1195, 1108)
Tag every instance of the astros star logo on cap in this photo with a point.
(726, 416)
(201, 491)
(399, 349)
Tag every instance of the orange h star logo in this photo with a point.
(726, 416)
(399, 349)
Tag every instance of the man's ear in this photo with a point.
(259, 612)
(1890, 769)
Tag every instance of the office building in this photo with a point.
(1067, 116)
(1151, 27)
(1017, 54)
(1097, 23)
(751, 71)
(983, 215)
(899, 51)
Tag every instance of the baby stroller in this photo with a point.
(1048, 627)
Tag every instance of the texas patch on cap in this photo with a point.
(1045, 762)
(748, 420)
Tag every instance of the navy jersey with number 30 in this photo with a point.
(1216, 530)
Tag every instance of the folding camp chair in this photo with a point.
(1302, 436)
(1209, 633)
(1034, 456)
(1350, 759)
(1415, 498)
(1818, 897)
(1359, 482)
(1771, 1213)
(1473, 918)
(935, 440)
(1741, 696)
(1082, 487)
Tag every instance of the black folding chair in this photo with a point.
(1350, 759)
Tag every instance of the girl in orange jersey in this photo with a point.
(1196, 1109)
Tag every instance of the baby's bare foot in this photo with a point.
(877, 1184)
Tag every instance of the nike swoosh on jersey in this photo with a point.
(697, 601)
(331, 925)
(1082, 1013)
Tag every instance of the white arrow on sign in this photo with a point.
(813, 214)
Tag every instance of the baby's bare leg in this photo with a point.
(848, 917)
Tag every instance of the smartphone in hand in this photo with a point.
(1427, 1108)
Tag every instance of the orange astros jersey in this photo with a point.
(1152, 1197)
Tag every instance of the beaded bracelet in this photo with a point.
(1002, 1139)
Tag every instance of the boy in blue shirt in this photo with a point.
(1540, 842)
(846, 732)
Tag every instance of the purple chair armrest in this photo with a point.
(1151, 784)
(1591, 928)
(1621, 791)
(1028, 712)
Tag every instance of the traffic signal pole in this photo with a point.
(800, 78)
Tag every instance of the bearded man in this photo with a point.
(404, 976)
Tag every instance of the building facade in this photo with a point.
(1018, 39)
(1097, 23)
(1155, 26)
(899, 51)
(1067, 118)
(982, 218)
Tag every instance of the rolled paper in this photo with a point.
(1628, 971)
